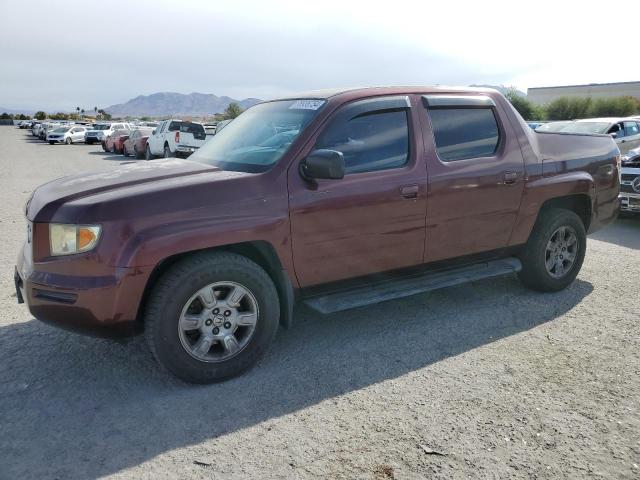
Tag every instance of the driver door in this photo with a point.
(372, 220)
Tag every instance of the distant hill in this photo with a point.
(501, 88)
(170, 103)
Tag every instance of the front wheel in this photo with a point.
(124, 150)
(51, 143)
(67, 141)
(211, 317)
(147, 153)
(554, 253)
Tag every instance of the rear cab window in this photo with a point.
(463, 127)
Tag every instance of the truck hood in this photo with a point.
(47, 198)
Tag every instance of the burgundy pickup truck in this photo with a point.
(338, 199)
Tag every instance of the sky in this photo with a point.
(63, 54)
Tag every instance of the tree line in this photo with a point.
(572, 108)
(232, 111)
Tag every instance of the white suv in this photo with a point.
(175, 138)
(100, 131)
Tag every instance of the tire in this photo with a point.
(147, 153)
(124, 151)
(89, 142)
(68, 141)
(104, 146)
(536, 255)
(52, 143)
(174, 292)
(113, 149)
(136, 153)
(167, 152)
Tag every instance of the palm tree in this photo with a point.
(82, 112)
(95, 111)
(78, 110)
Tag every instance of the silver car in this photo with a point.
(626, 131)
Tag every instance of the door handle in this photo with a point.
(410, 191)
(510, 177)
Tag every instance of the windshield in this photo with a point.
(258, 138)
(101, 127)
(61, 130)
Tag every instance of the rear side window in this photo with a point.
(463, 133)
(187, 127)
(376, 140)
(631, 128)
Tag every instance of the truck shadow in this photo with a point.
(78, 407)
(625, 232)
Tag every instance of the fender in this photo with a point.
(543, 189)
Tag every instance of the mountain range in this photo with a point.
(171, 103)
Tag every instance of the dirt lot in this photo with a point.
(500, 381)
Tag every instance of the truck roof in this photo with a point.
(392, 90)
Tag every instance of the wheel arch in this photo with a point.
(260, 252)
(579, 203)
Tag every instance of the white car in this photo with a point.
(175, 138)
(68, 134)
(101, 131)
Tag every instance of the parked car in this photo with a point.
(46, 127)
(630, 182)
(95, 134)
(312, 198)
(175, 138)
(114, 142)
(67, 134)
(136, 143)
(626, 131)
(103, 134)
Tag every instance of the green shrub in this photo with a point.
(525, 108)
(614, 107)
(569, 108)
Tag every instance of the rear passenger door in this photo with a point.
(476, 175)
(631, 137)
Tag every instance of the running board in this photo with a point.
(405, 287)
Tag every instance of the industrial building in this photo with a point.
(544, 95)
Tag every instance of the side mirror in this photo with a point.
(153, 133)
(614, 134)
(328, 164)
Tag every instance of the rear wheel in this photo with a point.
(211, 317)
(167, 152)
(555, 251)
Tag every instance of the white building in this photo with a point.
(544, 95)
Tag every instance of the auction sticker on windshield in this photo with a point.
(306, 104)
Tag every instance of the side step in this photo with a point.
(405, 287)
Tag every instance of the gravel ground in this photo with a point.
(486, 380)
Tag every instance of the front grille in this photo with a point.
(629, 176)
(627, 189)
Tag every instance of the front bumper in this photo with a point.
(103, 306)
(630, 202)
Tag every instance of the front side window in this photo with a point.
(463, 133)
(376, 140)
(257, 139)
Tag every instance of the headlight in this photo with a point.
(67, 239)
